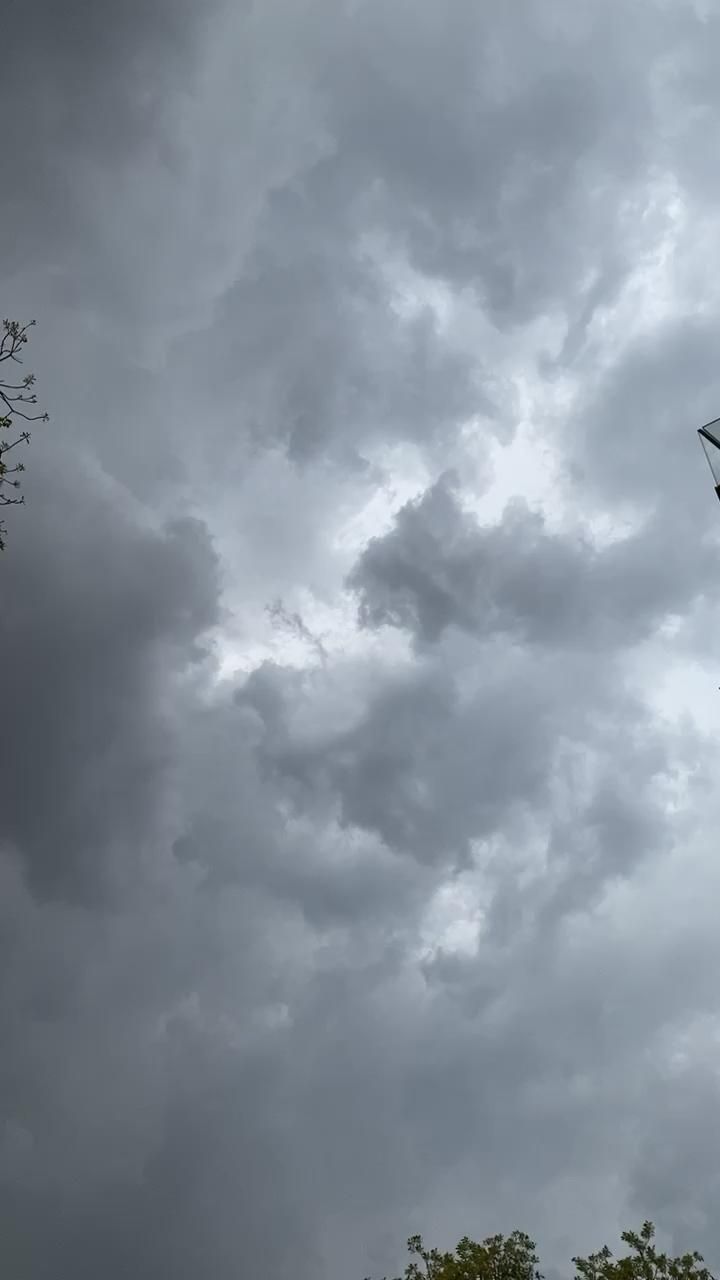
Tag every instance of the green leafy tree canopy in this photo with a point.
(496, 1258)
(514, 1257)
(643, 1262)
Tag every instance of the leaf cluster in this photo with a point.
(643, 1262)
(498, 1257)
(514, 1257)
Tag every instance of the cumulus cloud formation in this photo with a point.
(437, 567)
(357, 864)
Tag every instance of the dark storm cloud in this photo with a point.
(431, 767)
(235, 1036)
(138, 1161)
(438, 139)
(211, 1192)
(437, 568)
(676, 1172)
(84, 85)
(311, 346)
(98, 626)
(497, 169)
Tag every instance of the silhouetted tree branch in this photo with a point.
(17, 401)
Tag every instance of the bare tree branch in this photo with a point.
(14, 399)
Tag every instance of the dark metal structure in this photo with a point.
(712, 453)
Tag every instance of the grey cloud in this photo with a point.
(430, 767)
(99, 624)
(484, 159)
(235, 1036)
(549, 1049)
(429, 774)
(444, 165)
(632, 429)
(169, 1181)
(675, 1171)
(308, 341)
(437, 568)
(81, 83)
(621, 825)
(412, 770)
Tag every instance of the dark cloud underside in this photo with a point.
(357, 872)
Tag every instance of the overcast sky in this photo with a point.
(359, 798)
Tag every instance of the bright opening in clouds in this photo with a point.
(359, 796)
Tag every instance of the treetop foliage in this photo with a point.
(514, 1257)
